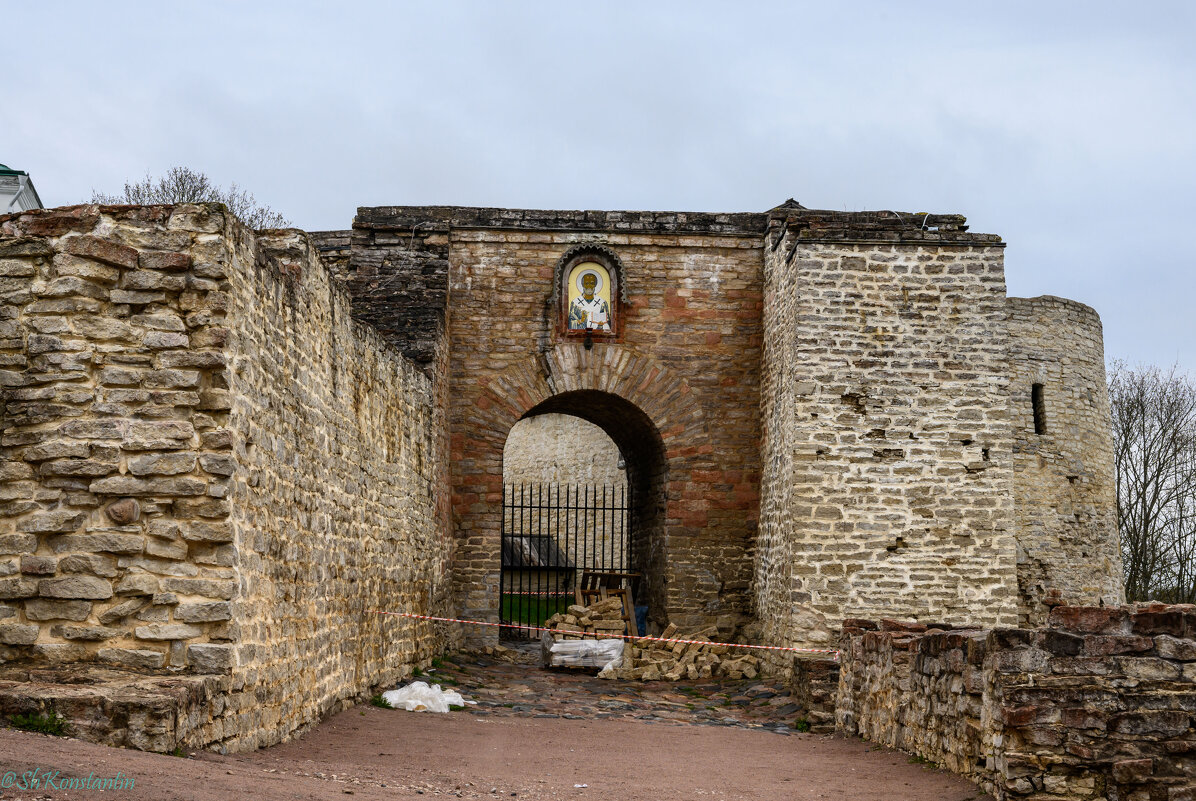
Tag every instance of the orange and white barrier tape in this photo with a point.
(412, 615)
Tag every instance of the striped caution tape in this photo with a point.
(414, 616)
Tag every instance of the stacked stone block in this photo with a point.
(1097, 705)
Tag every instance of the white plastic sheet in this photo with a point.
(418, 696)
(581, 653)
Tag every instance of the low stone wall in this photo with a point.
(208, 467)
(1098, 705)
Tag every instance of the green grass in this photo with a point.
(51, 723)
(801, 724)
(531, 610)
(380, 702)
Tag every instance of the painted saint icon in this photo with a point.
(589, 298)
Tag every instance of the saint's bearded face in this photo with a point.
(587, 286)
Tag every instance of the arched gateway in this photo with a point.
(654, 336)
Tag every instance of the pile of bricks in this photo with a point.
(601, 619)
(651, 660)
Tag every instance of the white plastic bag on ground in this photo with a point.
(581, 653)
(418, 696)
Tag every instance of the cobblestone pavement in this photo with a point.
(525, 689)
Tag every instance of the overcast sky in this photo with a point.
(1069, 128)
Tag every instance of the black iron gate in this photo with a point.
(551, 534)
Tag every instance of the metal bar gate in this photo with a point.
(551, 534)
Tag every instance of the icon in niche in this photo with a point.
(589, 298)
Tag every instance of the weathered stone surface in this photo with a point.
(102, 250)
(123, 610)
(206, 587)
(163, 464)
(41, 609)
(132, 658)
(170, 261)
(16, 634)
(973, 703)
(56, 449)
(125, 485)
(39, 565)
(50, 522)
(203, 612)
(89, 633)
(18, 587)
(94, 564)
(1182, 650)
(83, 587)
(207, 532)
(17, 543)
(166, 550)
(100, 542)
(211, 658)
(137, 584)
(218, 465)
(124, 511)
(163, 631)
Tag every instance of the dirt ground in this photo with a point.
(376, 754)
(534, 734)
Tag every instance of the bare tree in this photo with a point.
(184, 185)
(1154, 459)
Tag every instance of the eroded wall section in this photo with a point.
(1064, 491)
(887, 453)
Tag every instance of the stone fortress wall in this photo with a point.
(220, 449)
(209, 467)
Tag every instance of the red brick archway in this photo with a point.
(651, 414)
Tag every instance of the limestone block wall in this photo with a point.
(1063, 485)
(117, 541)
(1096, 705)
(336, 502)
(887, 451)
(209, 467)
(560, 448)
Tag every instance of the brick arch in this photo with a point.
(635, 377)
(651, 414)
